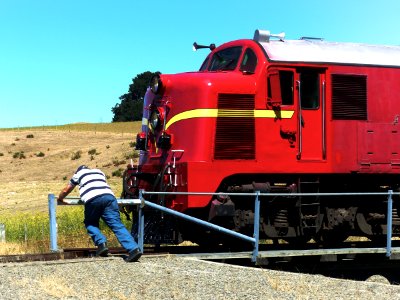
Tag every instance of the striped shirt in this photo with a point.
(92, 183)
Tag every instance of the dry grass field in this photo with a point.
(40, 160)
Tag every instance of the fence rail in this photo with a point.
(141, 202)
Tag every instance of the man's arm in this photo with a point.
(64, 193)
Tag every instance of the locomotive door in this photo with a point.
(310, 102)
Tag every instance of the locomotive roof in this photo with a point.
(319, 51)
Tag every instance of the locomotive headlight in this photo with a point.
(141, 141)
(156, 84)
(154, 121)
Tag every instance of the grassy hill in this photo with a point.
(36, 161)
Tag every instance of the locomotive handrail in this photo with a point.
(300, 120)
(254, 239)
(323, 122)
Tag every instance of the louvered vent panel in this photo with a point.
(236, 101)
(349, 97)
(235, 136)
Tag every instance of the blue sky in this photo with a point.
(63, 62)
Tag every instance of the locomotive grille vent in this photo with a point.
(235, 130)
(349, 97)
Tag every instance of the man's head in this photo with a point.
(81, 167)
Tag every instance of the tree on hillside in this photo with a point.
(131, 106)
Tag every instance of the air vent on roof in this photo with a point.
(311, 38)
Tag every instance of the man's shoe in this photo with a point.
(134, 255)
(102, 250)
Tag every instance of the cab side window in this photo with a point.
(280, 87)
(249, 62)
(309, 89)
(286, 80)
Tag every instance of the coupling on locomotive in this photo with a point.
(276, 116)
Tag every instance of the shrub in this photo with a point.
(1, 154)
(118, 173)
(29, 136)
(19, 155)
(133, 154)
(40, 154)
(132, 144)
(92, 152)
(117, 162)
(76, 155)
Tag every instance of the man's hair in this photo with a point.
(81, 167)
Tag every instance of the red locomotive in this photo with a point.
(277, 116)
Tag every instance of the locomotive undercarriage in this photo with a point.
(296, 219)
(327, 220)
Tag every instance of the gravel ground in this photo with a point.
(169, 277)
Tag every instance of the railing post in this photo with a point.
(2, 233)
(53, 223)
(141, 223)
(389, 225)
(256, 226)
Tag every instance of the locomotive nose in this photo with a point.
(156, 107)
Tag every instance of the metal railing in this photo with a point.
(141, 202)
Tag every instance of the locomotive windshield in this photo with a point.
(224, 60)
